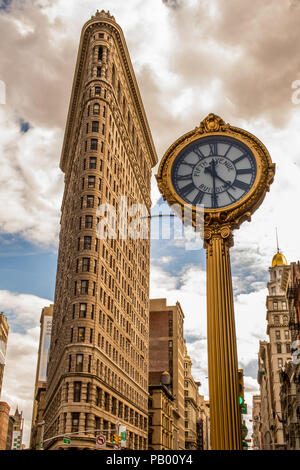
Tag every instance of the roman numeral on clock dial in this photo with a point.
(198, 198)
(241, 185)
(187, 189)
(213, 149)
(214, 200)
(245, 171)
(232, 199)
(198, 152)
(184, 177)
(239, 159)
(188, 164)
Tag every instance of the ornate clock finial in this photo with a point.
(212, 123)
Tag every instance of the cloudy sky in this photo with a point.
(238, 59)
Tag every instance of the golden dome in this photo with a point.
(279, 260)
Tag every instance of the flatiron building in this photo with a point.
(98, 364)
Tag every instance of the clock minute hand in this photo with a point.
(213, 174)
(223, 181)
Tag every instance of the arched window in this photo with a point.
(96, 108)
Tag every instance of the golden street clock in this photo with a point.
(221, 173)
(225, 169)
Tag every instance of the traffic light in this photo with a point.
(241, 386)
(116, 439)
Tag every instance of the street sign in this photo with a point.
(244, 409)
(66, 441)
(100, 441)
(122, 431)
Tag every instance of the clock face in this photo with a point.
(215, 171)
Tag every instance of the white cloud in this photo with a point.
(23, 312)
(241, 70)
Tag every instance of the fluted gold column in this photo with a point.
(225, 417)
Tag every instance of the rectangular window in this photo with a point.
(90, 201)
(82, 310)
(99, 69)
(75, 422)
(77, 391)
(81, 334)
(88, 221)
(91, 335)
(275, 305)
(288, 348)
(97, 90)
(91, 181)
(85, 264)
(106, 401)
(278, 348)
(84, 287)
(283, 305)
(100, 52)
(95, 126)
(96, 109)
(87, 243)
(93, 163)
(280, 362)
(88, 392)
(79, 362)
(70, 363)
(94, 144)
(277, 334)
(286, 334)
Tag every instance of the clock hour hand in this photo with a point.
(212, 170)
(213, 174)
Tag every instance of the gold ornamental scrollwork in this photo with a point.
(228, 218)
